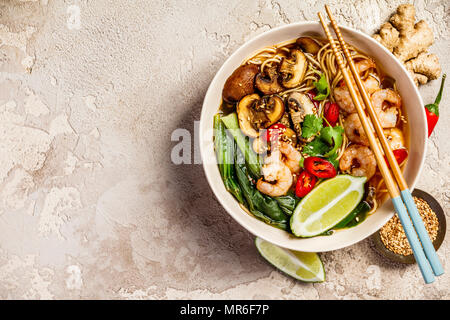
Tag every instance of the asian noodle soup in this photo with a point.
(297, 127)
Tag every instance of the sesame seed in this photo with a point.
(393, 236)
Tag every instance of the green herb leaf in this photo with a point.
(333, 136)
(321, 96)
(302, 160)
(355, 217)
(334, 161)
(322, 88)
(311, 126)
(326, 144)
(322, 84)
(288, 202)
(316, 148)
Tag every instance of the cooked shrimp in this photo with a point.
(364, 65)
(342, 95)
(291, 156)
(359, 161)
(395, 138)
(277, 176)
(386, 103)
(371, 85)
(280, 186)
(354, 130)
(344, 99)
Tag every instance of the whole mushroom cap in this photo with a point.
(240, 83)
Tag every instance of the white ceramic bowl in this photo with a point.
(412, 104)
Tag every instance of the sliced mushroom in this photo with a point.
(256, 113)
(274, 109)
(240, 83)
(285, 119)
(308, 45)
(293, 69)
(244, 111)
(299, 106)
(267, 83)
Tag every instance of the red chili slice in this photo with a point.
(331, 113)
(274, 132)
(400, 156)
(305, 183)
(319, 167)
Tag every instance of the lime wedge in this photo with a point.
(327, 205)
(304, 266)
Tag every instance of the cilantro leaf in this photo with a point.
(322, 88)
(321, 96)
(334, 161)
(326, 144)
(316, 148)
(333, 136)
(322, 84)
(311, 126)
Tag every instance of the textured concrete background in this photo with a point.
(91, 205)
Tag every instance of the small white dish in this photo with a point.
(412, 105)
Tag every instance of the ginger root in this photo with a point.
(409, 42)
(424, 68)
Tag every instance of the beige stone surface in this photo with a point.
(91, 205)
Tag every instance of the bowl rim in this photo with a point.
(208, 174)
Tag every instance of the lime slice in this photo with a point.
(304, 266)
(327, 205)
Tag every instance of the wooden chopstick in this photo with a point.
(375, 121)
(404, 190)
(391, 184)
